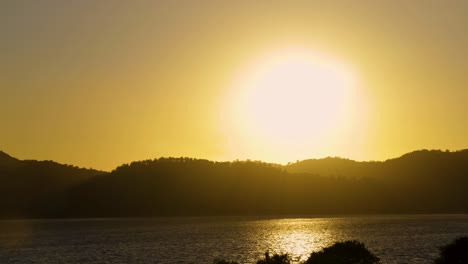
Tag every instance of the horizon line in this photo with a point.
(239, 160)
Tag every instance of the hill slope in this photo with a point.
(418, 182)
(36, 188)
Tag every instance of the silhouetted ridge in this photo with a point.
(330, 166)
(31, 188)
(7, 161)
(3, 155)
(418, 182)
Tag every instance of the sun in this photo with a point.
(292, 99)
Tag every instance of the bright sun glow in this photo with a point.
(293, 100)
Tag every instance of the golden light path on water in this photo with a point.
(298, 237)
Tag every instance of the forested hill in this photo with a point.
(418, 182)
(36, 188)
(421, 163)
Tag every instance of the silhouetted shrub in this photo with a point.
(454, 253)
(275, 259)
(347, 252)
(222, 261)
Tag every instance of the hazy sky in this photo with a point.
(100, 83)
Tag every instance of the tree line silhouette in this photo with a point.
(418, 182)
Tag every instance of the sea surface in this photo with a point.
(393, 238)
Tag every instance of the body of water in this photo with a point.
(395, 239)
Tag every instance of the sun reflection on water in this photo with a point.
(298, 237)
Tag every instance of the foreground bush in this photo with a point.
(222, 261)
(276, 259)
(347, 252)
(454, 253)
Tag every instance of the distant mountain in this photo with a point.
(426, 181)
(30, 187)
(421, 163)
(8, 162)
(330, 166)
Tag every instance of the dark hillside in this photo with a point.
(418, 182)
(31, 188)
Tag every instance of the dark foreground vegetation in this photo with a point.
(455, 252)
(355, 252)
(419, 182)
(347, 252)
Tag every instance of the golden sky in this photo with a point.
(100, 83)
